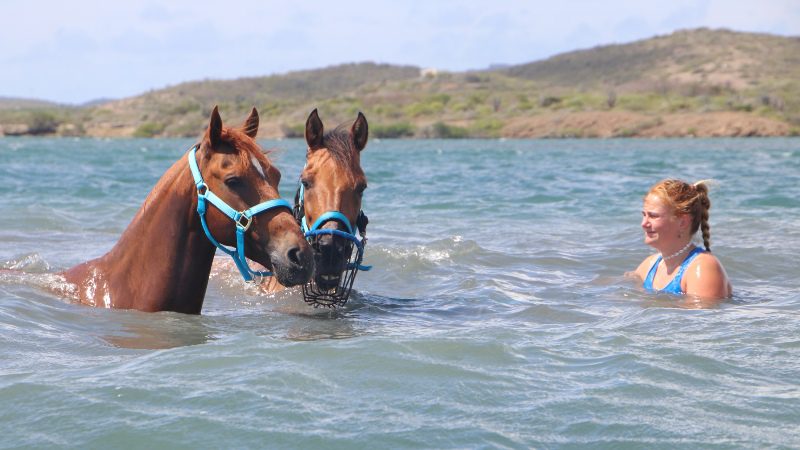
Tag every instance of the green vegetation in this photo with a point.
(486, 127)
(441, 130)
(393, 130)
(43, 122)
(149, 129)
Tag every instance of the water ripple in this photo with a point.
(497, 314)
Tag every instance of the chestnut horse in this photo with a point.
(163, 259)
(328, 207)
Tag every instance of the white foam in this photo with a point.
(91, 286)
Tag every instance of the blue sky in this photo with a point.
(76, 51)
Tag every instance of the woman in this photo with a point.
(673, 212)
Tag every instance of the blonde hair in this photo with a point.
(685, 198)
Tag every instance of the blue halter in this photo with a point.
(350, 235)
(243, 219)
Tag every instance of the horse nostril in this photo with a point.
(294, 256)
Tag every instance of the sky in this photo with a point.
(81, 50)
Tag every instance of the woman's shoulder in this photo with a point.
(645, 266)
(706, 277)
(707, 259)
(650, 260)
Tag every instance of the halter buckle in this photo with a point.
(257, 279)
(247, 221)
(202, 188)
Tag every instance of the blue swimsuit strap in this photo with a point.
(648, 280)
(674, 286)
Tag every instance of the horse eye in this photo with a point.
(305, 183)
(361, 188)
(233, 182)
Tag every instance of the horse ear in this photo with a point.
(215, 128)
(360, 132)
(314, 130)
(250, 126)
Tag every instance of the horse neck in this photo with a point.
(164, 254)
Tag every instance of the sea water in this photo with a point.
(496, 314)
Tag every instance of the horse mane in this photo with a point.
(245, 145)
(339, 143)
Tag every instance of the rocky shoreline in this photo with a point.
(559, 124)
(609, 124)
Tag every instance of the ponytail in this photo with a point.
(701, 207)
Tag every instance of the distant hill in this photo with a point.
(10, 103)
(689, 83)
(96, 102)
(181, 110)
(689, 60)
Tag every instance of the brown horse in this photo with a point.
(163, 259)
(328, 205)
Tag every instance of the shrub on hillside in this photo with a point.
(442, 130)
(42, 122)
(149, 129)
(392, 130)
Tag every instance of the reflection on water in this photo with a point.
(320, 328)
(166, 330)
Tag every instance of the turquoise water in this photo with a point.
(496, 315)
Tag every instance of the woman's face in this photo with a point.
(660, 224)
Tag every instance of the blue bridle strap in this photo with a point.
(330, 215)
(315, 230)
(241, 218)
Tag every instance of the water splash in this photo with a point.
(31, 262)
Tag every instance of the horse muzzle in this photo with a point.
(331, 256)
(337, 259)
(292, 264)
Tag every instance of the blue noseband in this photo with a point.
(243, 219)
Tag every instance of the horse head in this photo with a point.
(332, 185)
(236, 170)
